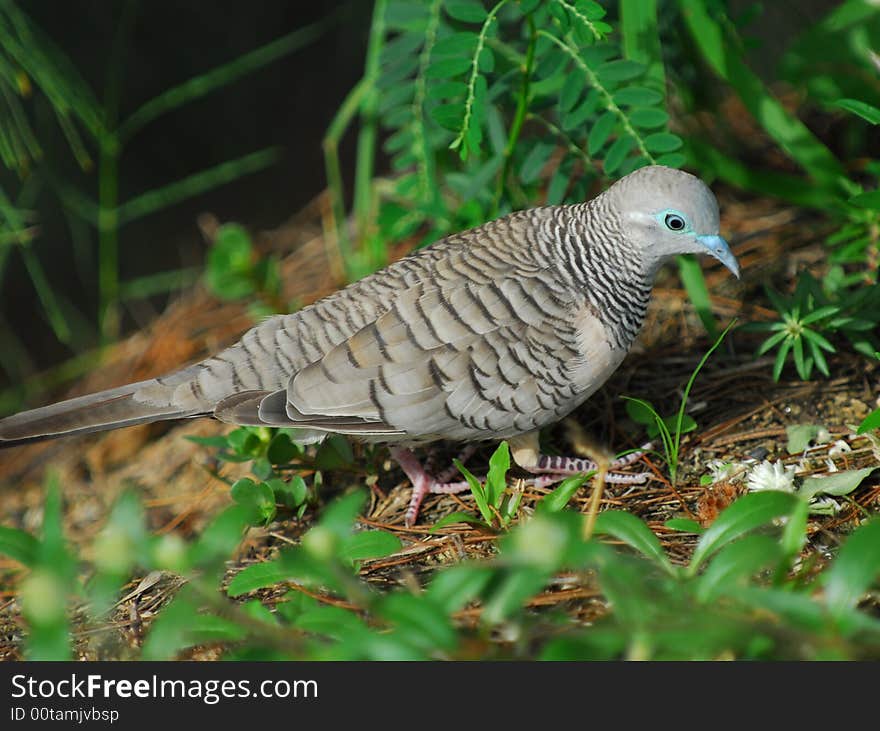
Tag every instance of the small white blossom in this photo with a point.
(719, 470)
(771, 476)
(829, 463)
(839, 447)
(823, 436)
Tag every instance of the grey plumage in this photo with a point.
(487, 334)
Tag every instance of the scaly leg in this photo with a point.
(422, 483)
(553, 469)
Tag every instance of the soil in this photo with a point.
(741, 414)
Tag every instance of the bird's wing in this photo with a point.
(452, 357)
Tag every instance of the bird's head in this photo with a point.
(667, 212)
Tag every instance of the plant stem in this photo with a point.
(522, 108)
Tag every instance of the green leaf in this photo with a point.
(600, 132)
(685, 525)
(561, 495)
(258, 576)
(617, 153)
(648, 117)
(478, 492)
(468, 11)
(662, 142)
(641, 412)
(369, 544)
(871, 422)
(291, 494)
(19, 545)
(448, 68)
(454, 587)
(449, 116)
(424, 623)
(834, 483)
(334, 452)
(571, 92)
(628, 528)
(535, 161)
(496, 479)
(800, 436)
(457, 44)
(734, 564)
(855, 569)
(866, 111)
(612, 72)
(870, 200)
(632, 96)
(457, 517)
(282, 450)
(746, 514)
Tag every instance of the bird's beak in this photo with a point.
(720, 249)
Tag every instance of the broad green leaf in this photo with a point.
(424, 623)
(369, 544)
(685, 525)
(334, 452)
(561, 495)
(746, 514)
(855, 569)
(800, 436)
(258, 576)
(870, 422)
(457, 44)
(628, 528)
(19, 545)
(870, 200)
(734, 564)
(835, 483)
(454, 587)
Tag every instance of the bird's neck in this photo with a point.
(614, 278)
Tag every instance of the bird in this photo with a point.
(485, 335)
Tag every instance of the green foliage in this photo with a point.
(35, 74)
(741, 594)
(479, 101)
(813, 315)
(234, 272)
(497, 504)
(671, 428)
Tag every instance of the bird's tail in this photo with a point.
(116, 407)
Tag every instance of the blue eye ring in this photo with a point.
(674, 222)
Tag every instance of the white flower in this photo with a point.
(839, 447)
(771, 476)
(719, 469)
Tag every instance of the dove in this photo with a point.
(488, 334)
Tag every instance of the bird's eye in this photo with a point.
(674, 222)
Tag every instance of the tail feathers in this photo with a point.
(110, 409)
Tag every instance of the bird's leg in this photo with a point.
(553, 469)
(452, 471)
(422, 483)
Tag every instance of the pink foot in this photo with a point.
(422, 483)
